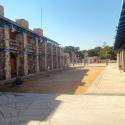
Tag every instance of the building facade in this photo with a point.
(24, 51)
(119, 45)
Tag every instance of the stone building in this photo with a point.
(24, 52)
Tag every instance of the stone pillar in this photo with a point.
(18, 59)
(118, 59)
(7, 53)
(37, 56)
(60, 58)
(51, 56)
(57, 63)
(45, 55)
(25, 54)
(123, 60)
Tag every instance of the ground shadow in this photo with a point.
(28, 108)
(61, 82)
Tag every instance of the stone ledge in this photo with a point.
(32, 76)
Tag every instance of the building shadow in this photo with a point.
(27, 108)
(34, 107)
(58, 82)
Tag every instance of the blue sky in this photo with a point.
(83, 23)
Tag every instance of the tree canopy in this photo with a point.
(104, 52)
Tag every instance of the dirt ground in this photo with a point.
(75, 80)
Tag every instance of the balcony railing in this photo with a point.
(31, 47)
(14, 44)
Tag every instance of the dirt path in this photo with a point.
(73, 81)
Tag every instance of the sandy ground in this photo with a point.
(73, 81)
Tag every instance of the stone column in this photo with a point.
(7, 53)
(45, 55)
(18, 57)
(57, 63)
(123, 60)
(60, 58)
(118, 59)
(52, 56)
(25, 54)
(37, 56)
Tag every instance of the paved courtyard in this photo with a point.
(40, 109)
(102, 104)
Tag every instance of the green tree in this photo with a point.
(71, 49)
(104, 52)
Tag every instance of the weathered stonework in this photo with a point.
(57, 61)
(37, 56)
(7, 54)
(118, 59)
(25, 52)
(45, 55)
(23, 23)
(39, 31)
(52, 56)
(1, 10)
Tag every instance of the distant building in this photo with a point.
(73, 58)
(94, 59)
